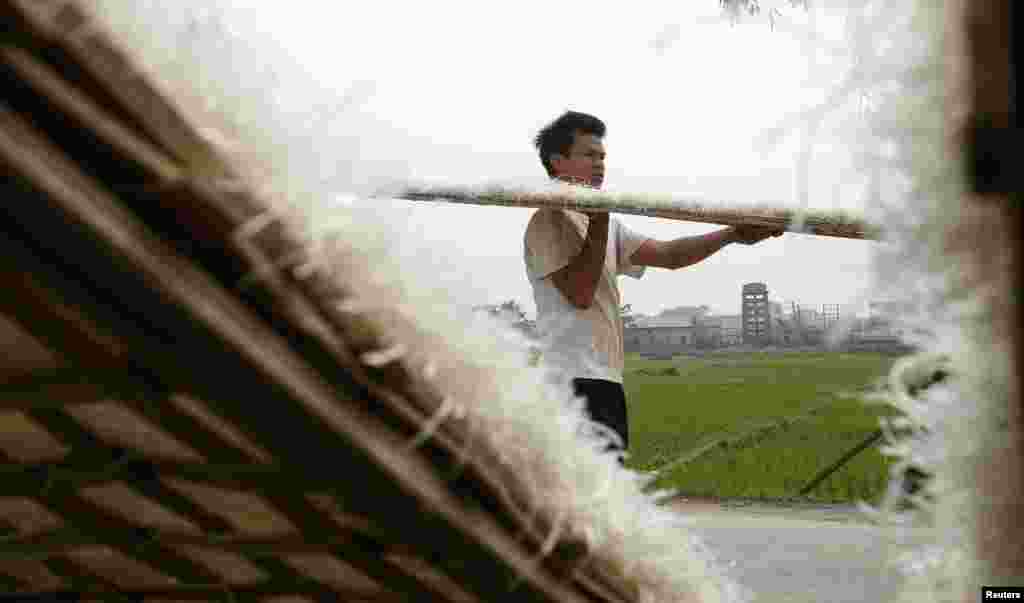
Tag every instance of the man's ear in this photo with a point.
(554, 158)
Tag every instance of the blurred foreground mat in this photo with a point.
(172, 428)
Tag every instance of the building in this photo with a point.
(756, 313)
(681, 315)
(720, 331)
(672, 331)
(884, 321)
(682, 329)
(675, 327)
(732, 329)
(667, 335)
(762, 322)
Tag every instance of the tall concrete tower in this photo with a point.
(757, 324)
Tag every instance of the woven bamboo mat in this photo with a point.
(173, 429)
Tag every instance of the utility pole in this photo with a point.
(798, 325)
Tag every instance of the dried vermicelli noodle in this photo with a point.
(818, 222)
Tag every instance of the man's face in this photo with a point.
(584, 163)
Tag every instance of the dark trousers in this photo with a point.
(606, 404)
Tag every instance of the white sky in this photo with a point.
(455, 91)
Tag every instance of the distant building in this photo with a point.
(756, 313)
(677, 330)
(675, 327)
(676, 336)
(673, 330)
(762, 322)
(732, 329)
(679, 316)
(881, 330)
(882, 321)
(810, 318)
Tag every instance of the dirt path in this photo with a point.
(799, 552)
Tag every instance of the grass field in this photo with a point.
(757, 425)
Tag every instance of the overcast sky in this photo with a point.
(455, 91)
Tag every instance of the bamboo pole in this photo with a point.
(835, 223)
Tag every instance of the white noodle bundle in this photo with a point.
(834, 223)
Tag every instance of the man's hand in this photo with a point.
(748, 235)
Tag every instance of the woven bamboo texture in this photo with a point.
(173, 429)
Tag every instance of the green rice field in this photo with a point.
(757, 425)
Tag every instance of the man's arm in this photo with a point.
(578, 280)
(686, 251)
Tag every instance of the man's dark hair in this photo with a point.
(557, 137)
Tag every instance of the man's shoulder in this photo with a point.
(547, 217)
(549, 220)
(548, 214)
(551, 235)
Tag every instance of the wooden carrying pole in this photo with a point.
(816, 222)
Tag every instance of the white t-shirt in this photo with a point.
(582, 343)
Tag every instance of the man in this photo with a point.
(573, 259)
